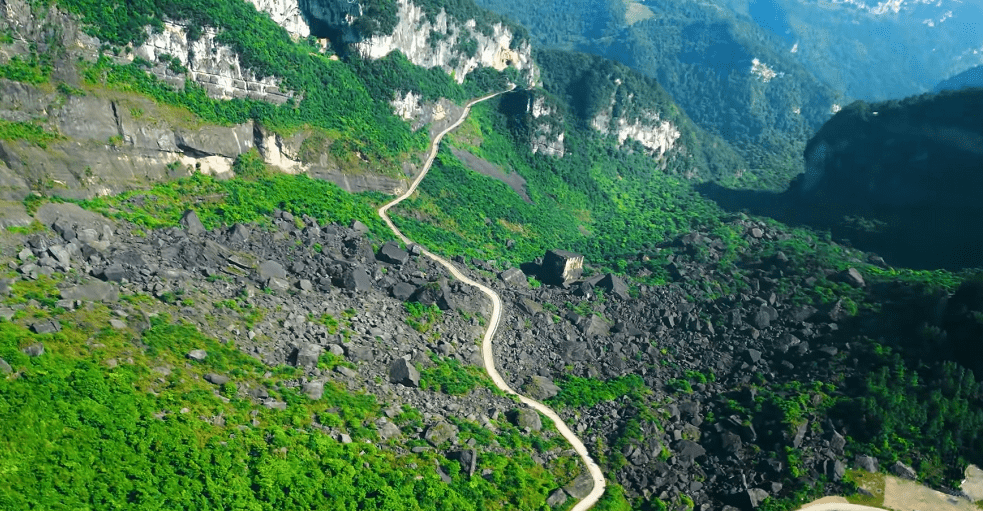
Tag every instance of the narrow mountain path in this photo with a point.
(486, 343)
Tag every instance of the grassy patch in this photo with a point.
(873, 483)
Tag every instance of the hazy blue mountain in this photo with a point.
(876, 49)
(972, 77)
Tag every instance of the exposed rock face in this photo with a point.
(646, 127)
(561, 267)
(213, 65)
(546, 126)
(285, 13)
(458, 48)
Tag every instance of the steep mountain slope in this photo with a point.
(900, 178)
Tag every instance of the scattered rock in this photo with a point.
(271, 269)
(514, 277)
(528, 419)
(96, 291)
(851, 276)
(903, 471)
(581, 486)
(614, 286)
(313, 389)
(441, 432)
(469, 461)
(403, 291)
(868, 463)
(5, 367)
(307, 355)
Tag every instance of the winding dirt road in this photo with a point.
(486, 343)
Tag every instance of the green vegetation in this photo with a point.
(29, 132)
(122, 418)
(237, 200)
(422, 317)
(929, 419)
(36, 69)
(586, 392)
(450, 377)
(601, 203)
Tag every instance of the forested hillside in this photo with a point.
(705, 57)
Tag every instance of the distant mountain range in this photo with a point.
(972, 77)
(874, 50)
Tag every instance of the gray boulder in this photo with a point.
(581, 486)
(558, 497)
(903, 471)
(403, 291)
(614, 286)
(594, 325)
(113, 273)
(437, 292)
(217, 379)
(392, 254)
(306, 356)
(356, 279)
(5, 367)
(528, 419)
(401, 371)
(540, 388)
(33, 350)
(852, 277)
(441, 432)
(271, 269)
(192, 224)
(514, 277)
(313, 389)
(49, 326)
(868, 463)
(197, 355)
(96, 291)
(469, 461)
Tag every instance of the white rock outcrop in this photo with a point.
(285, 13)
(213, 65)
(547, 131)
(412, 36)
(647, 128)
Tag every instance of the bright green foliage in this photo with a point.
(586, 392)
(250, 165)
(82, 433)
(241, 201)
(930, 419)
(33, 70)
(422, 317)
(450, 377)
(29, 132)
(601, 203)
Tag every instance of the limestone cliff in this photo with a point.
(458, 46)
(214, 66)
(286, 13)
(645, 126)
